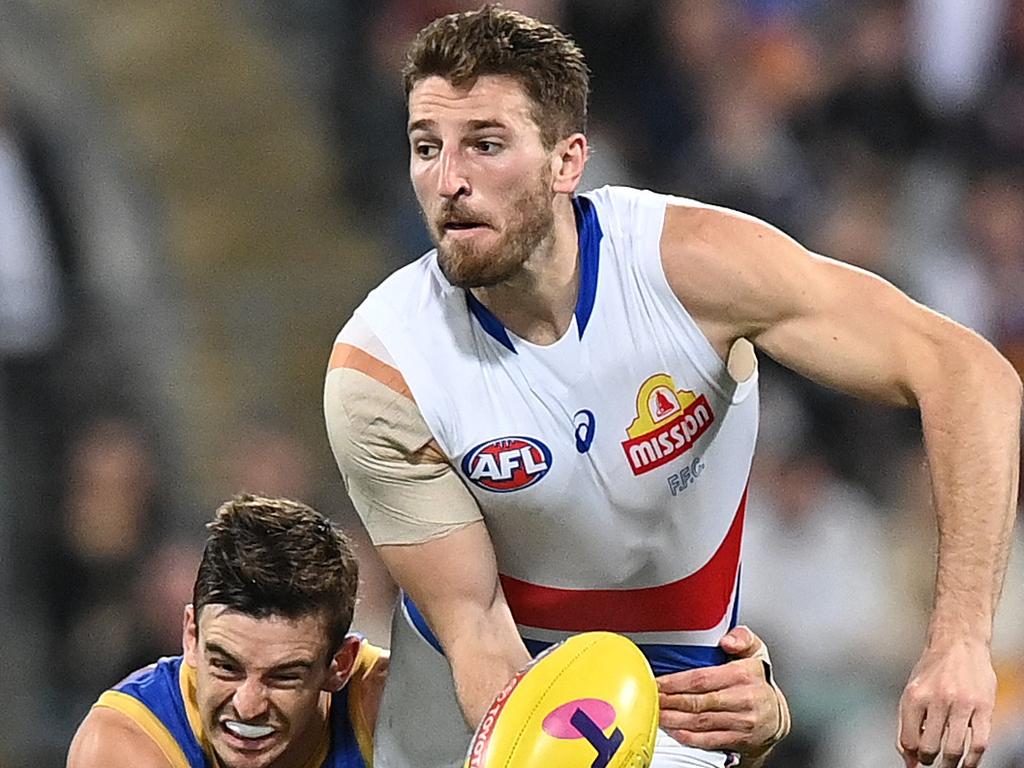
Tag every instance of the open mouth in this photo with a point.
(462, 226)
(246, 736)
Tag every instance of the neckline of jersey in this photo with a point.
(589, 233)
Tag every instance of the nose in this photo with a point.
(250, 700)
(452, 181)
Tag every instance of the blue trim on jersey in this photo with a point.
(158, 688)
(736, 604)
(420, 623)
(491, 325)
(590, 235)
(589, 232)
(664, 659)
(344, 750)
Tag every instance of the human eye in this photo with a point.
(224, 668)
(488, 147)
(286, 679)
(425, 150)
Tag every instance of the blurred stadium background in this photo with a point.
(193, 196)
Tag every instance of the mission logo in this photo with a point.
(507, 464)
(667, 424)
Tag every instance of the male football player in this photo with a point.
(269, 677)
(547, 422)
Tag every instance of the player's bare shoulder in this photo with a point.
(109, 739)
(729, 268)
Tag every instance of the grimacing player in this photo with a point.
(547, 423)
(269, 677)
(257, 684)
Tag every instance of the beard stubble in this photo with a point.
(530, 221)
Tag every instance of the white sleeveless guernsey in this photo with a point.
(611, 466)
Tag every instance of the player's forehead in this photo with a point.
(262, 643)
(436, 104)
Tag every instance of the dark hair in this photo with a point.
(548, 65)
(277, 557)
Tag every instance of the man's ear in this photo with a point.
(343, 663)
(570, 157)
(190, 636)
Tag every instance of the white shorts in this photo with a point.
(669, 753)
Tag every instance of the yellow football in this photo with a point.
(587, 702)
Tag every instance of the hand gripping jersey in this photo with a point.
(161, 700)
(611, 466)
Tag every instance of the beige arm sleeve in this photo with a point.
(402, 487)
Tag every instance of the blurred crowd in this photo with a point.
(886, 133)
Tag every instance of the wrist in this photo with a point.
(942, 640)
(756, 757)
(958, 623)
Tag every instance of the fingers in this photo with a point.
(980, 731)
(946, 708)
(966, 732)
(944, 733)
(716, 701)
(956, 736)
(930, 742)
(707, 679)
(701, 680)
(740, 641)
(949, 760)
(908, 760)
(912, 710)
(738, 721)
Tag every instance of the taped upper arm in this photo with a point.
(109, 739)
(404, 490)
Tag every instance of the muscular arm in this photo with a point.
(848, 329)
(425, 523)
(454, 582)
(109, 739)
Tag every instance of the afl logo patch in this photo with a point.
(507, 464)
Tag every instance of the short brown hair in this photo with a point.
(548, 65)
(277, 557)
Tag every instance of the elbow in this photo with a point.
(994, 374)
(1016, 388)
(959, 357)
(1016, 383)
(1014, 379)
(1003, 379)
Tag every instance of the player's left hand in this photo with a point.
(732, 707)
(946, 708)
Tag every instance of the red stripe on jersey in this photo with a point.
(698, 601)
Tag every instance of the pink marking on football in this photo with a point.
(559, 725)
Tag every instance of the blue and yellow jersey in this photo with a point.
(161, 699)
